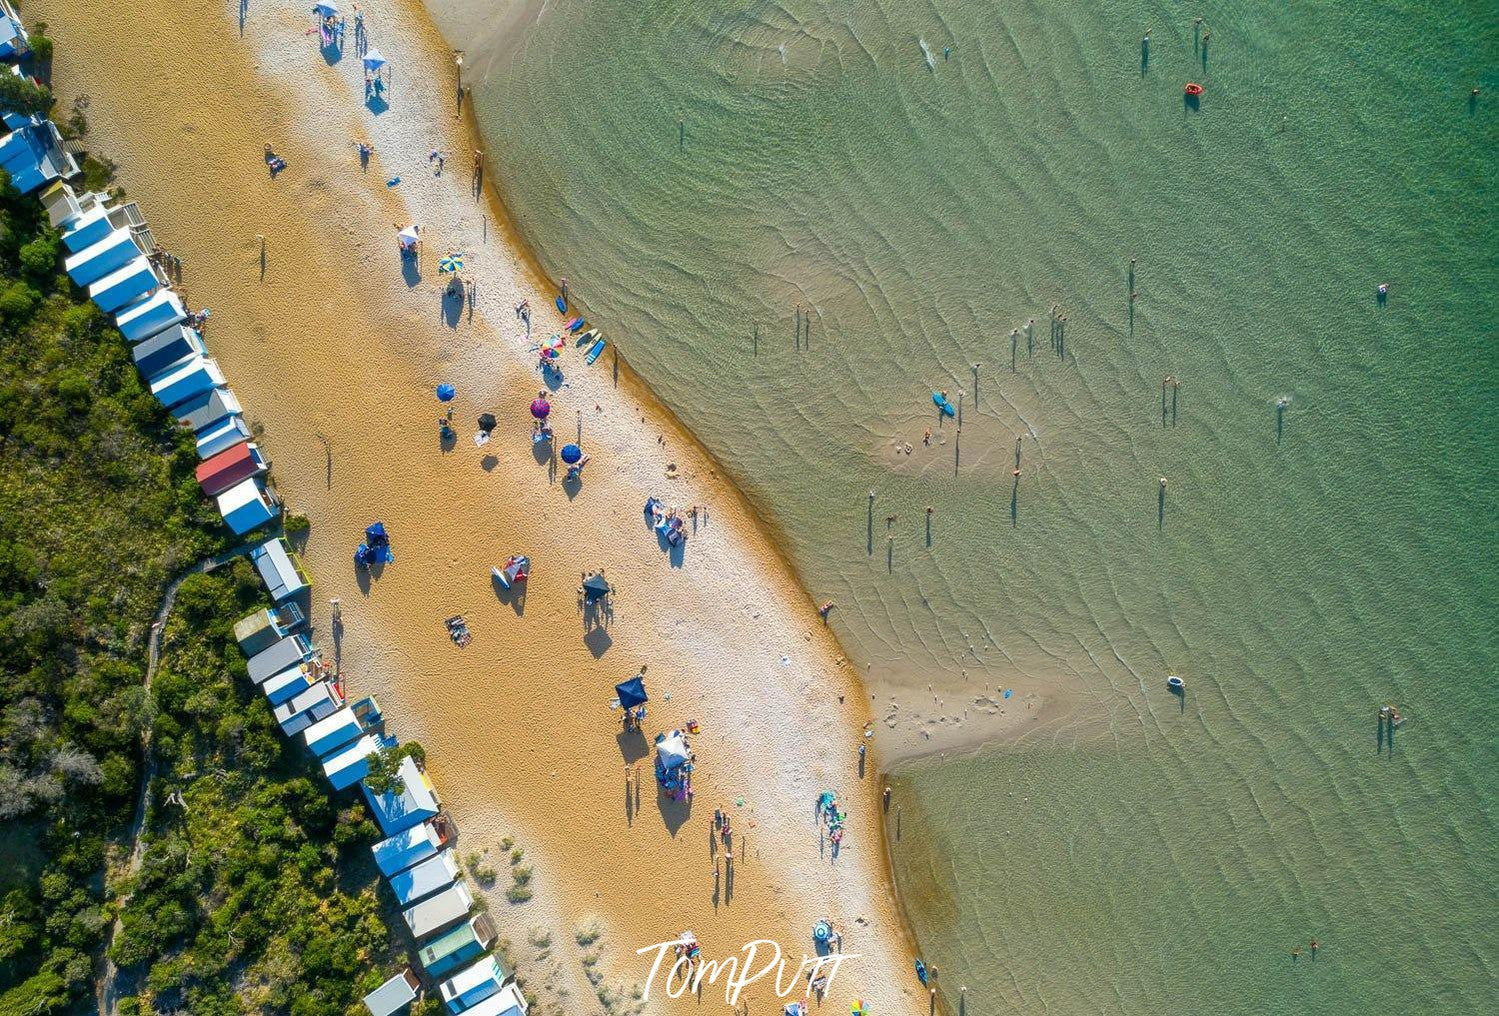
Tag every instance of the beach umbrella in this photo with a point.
(571, 453)
(451, 264)
(445, 392)
(595, 587)
(487, 422)
(540, 408)
(373, 61)
(632, 693)
(407, 237)
(325, 10)
(374, 534)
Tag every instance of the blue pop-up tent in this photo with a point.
(632, 692)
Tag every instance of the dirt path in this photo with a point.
(106, 977)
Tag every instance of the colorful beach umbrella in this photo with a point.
(373, 61)
(445, 392)
(451, 264)
(571, 453)
(540, 408)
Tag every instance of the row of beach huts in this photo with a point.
(110, 253)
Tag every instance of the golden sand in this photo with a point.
(336, 354)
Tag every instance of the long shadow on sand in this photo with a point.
(673, 813)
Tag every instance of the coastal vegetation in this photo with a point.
(254, 890)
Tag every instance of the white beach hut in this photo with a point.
(285, 652)
(279, 569)
(301, 711)
(393, 995)
(474, 985)
(247, 506)
(437, 912)
(113, 250)
(424, 879)
(123, 285)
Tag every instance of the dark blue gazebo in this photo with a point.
(632, 692)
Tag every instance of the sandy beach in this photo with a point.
(335, 350)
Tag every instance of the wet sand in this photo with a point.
(335, 350)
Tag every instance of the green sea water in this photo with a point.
(700, 170)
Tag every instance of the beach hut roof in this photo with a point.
(632, 692)
(285, 652)
(113, 250)
(307, 707)
(12, 33)
(288, 684)
(278, 569)
(411, 801)
(227, 433)
(140, 321)
(33, 153)
(245, 506)
(455, 948)
(332, 733)
(229, 467)
(352, 764)
(473, 985)
(397, 853)
(388, 999)
(207, 409)
(424, 879)
(125, 285)
(185, 380)
(167, 348)
(508, 1001)
(437, 912)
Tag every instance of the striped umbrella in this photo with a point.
(451, 265)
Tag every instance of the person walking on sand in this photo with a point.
(437, 156)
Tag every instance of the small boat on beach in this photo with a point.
(561, 305)
(593, 354)
(1176, 684)
(575, 324)
(587, 337)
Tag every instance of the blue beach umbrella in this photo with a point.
(325, 10)
(445, 392)
(632, 692)
(373, 61)
(571, 453)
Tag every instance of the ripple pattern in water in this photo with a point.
(916, 182)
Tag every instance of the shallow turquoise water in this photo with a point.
(698, 170)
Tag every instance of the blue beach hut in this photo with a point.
(186, 380)
(246, 506)
(441, 956)
(32, 153)
(396, 853)
(411, 802)
(88, 227)
(288, 684)
(113, 250)
(14, 43)
(222, 435)
(140, 321)
(167, 348)
(303, 710)
(124, 285)
(351, 764)
(331, 733)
